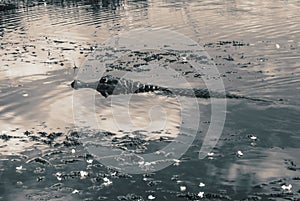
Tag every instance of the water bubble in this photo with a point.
(239, 153)
(211, 154)
(182, 188)
(89, 161)
(287, 188)
(83, 174)
(151, 197)
(177, 162)
(75, 191)
(202, 184)
(147, 179)
(201, 194)
(107, 181)
(58, 176)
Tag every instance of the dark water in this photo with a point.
(255, 47)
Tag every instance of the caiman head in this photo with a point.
(106, 85)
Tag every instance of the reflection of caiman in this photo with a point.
(109, 85)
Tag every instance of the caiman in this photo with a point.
(109, 85)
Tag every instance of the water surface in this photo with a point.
(255, 46)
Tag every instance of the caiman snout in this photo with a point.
(75, 84)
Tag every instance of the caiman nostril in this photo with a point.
(74, 85)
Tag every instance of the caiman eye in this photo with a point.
(103, 80)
